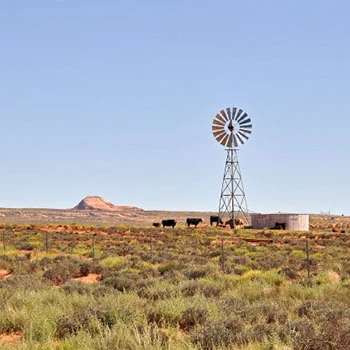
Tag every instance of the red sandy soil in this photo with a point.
(7, 339)
(4, 274)
(89, 279)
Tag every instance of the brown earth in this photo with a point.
(96, 211)
(128, 216)
(89, 279)
(4, 274)
(10, 338)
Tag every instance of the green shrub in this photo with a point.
(113, 262)
(122, 281)
(170, 267)
(195, 273)
(25, 283)
(62, 272)
(191, 317)
(194, 287)
(72, 286)
(213, 336)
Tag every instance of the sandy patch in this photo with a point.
(10, 338)
(333, 277)
(89, 279)
(4, 274)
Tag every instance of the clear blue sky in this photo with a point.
(116, 98)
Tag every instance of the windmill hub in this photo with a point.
(230, 126)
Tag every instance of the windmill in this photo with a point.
(231, 128)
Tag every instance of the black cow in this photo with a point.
(169, 222)
(156, 224)
(215, 218)
(193, 221)
(279, 226)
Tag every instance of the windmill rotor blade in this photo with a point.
(249, 126)
(220, 137)
(246, 137)
(228, 111)
(238, 114)
(234, 109)
(229, 142)
(240, 140)
(224, 140)
(246, 131)
(245, 121)
(215, 127)
(235, 141)
(218, 116)
(217, 133)
(245, 115)
(217, 122)
(223, 113)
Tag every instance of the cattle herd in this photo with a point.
(195, 221)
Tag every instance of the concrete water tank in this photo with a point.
(293, 222)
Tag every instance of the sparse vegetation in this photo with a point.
(66, 287)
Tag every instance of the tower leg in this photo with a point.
(233, 203)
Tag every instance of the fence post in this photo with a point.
(46, 242)
(307, 258)
(93, 246)
(3, 240)
(151, 247)
(222, 256)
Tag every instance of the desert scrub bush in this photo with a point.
(113, 262)
(12, 321)
(206, 287)
(32, 313)
(120, 229)
(192, 317)
(85, 268)
(252, 290)
(236, 269)
(64, 269)
(25, 283)
(271, 277)
(53, 314)
(289, 273)
(170, 267)
(317, 256)
(322, 326)
(6, 261)
(149, 337)
(90, 318)
(157, 290)
(218, 335)
(129, 308)
(195, 273)
(124, 280)
(243, 251)
(167, 313)
(211, 269)
(78, 287)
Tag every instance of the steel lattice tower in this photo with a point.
(233, 202)
(231, 128)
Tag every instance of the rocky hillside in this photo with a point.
(98, 203)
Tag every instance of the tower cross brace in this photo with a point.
(233, 202)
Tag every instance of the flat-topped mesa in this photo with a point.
(98, 203)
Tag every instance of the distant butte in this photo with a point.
(98, 203)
